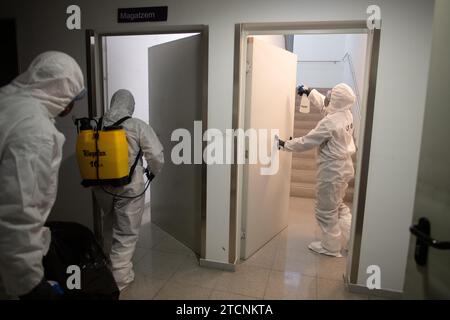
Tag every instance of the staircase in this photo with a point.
(304, 168)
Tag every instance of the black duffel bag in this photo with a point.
(73, 244)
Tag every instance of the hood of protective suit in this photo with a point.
(54, 78)
(342, 98)
(122, 105)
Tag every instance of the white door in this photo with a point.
(270, 103)
(175, 102)
(429, 277)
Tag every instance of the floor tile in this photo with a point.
(191, 273)
(335, 290)
(139, 253)
(292, 261)
(174, 290)
(143, 288)
(159, 265)
(246, 280)
(297, 245)
(223, 295)
(301, 210)
(330, 267)
(290, 286)
(171, 245)
(264, 257)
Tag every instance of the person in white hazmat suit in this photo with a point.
(127, 212)
(31, 150)
(333, 136)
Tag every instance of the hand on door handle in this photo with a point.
(281, 143)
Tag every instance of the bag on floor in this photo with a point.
(75, 245)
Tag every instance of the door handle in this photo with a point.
(422, 231)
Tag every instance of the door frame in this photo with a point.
(97, 103)
(242, 31)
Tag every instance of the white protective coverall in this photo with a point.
(127, 213)
(31, 149)
(334, 137)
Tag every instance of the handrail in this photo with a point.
(355, 83)
(353, 74)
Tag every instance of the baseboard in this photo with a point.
(217, 265)
(381, 293)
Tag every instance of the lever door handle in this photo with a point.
(441, 245)
(422, 231)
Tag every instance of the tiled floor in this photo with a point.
(283, 269)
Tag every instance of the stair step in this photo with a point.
(310, 154)
(305, 124)
(300, 132)
(304, 163)
(303, 190)
(308, 116)
(302, 175)
(308, 190)
(306, 176)
(311, 108)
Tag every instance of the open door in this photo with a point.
(270, 104)
(175, 75)
(427, 275)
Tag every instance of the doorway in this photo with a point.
(162, 69)
(303, 40)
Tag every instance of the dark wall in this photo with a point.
(9, 67)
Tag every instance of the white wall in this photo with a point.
(127, 68)
(322, 64)
(316, 54)
(404, 60)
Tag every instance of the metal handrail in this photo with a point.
(355, 83)
(352, 71)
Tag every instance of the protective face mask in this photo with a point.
(327, 99)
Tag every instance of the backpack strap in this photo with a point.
(139, 155)
(133, 167)
(119, 122)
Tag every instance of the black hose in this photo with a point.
(147, 184)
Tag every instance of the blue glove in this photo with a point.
(303, 90)
(45, 290)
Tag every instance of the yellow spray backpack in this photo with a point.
(102, 153)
